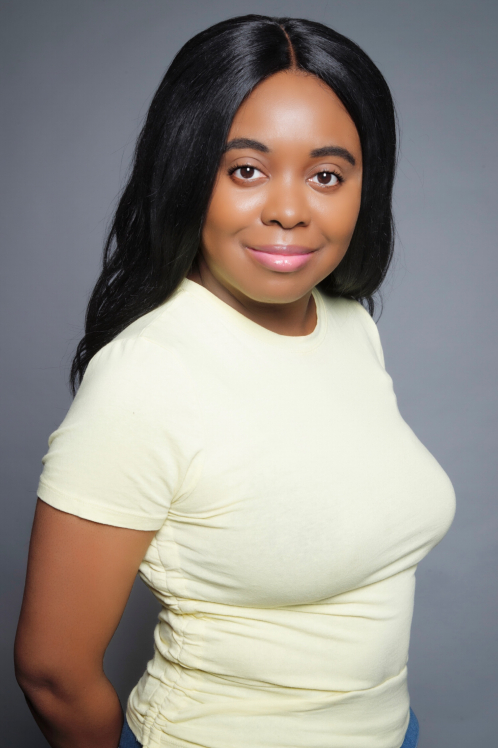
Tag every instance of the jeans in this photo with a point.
(128, 740)
(411, 734)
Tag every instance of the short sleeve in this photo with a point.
(131, 441)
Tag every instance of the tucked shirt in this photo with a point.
(292, 504)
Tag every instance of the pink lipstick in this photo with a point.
(283, 258)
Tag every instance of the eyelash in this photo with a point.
(233, 169)
(338, 176)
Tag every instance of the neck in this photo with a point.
(294, 318)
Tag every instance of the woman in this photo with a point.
(235, 436)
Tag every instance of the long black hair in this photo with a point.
(156, 229)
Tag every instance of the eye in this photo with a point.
(326, 178)
(247, 173)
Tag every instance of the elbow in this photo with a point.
(37, 676)
(49, 678)
(32, 677)
(23, 668)
(48, 690)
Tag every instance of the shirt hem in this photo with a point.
(166, 741)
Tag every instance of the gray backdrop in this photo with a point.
(76, 81)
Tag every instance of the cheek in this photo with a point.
(231, 210)
(337, 218)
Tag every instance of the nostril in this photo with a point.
(287, 225)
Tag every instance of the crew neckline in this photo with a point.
(232, 316)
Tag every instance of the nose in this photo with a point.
(286, 204)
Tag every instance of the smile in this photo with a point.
(281, 258)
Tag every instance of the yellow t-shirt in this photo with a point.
(292, 504)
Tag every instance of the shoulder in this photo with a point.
(132, 368)
(137, 377)
(355, 321)
(146, 354)
(137, 392)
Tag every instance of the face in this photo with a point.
(287, 193)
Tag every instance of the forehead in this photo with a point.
(295, 108)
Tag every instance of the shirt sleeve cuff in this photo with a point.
(96, 512)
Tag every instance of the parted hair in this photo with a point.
(155, 232)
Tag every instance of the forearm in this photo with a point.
(79, 577)
(88, 715)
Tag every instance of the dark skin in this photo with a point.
(79, 578)
(297, 183)
(287, 196)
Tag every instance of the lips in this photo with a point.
(282, 249)
(282, 258)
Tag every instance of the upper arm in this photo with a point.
(131, 441)
(128, 446)
(79, 577)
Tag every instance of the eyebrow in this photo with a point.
(246, 143)
(327, 150)
(333, 150)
